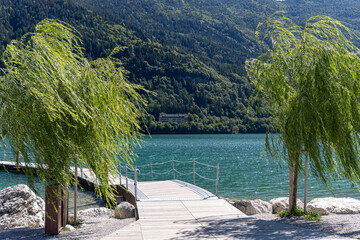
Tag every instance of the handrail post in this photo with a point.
(127, 181)
(151, 172)
(120, 172)
(173, 168)
(194, 170)
(135, 183)
(217, 179)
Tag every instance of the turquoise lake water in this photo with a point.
(243, 173)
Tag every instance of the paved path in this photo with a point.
(176, 210)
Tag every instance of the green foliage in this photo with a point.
(219, 33)
(309, 76)
(298, 212)
(55, 104)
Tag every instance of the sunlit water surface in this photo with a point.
(244, 174)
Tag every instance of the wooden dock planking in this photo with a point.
(166, 190)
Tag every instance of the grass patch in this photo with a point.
(297, 212)
(76, 224)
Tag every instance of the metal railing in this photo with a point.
(136, 171)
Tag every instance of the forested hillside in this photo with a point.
(191, 53)
(220, 33)
(182, 81)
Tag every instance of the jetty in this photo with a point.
(174, 210)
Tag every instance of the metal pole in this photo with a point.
(151, 172)
(127, 182)
(173, 168)
(217, 179)
(135, 183)
(120, 171)
(194, 170)
(306, 180)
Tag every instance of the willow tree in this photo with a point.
(309, 77)
(53, 101)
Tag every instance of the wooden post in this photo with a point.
(173, 168)
(17, 162)
(151, 172)
(76, 187)
(217, 179)
(53, 209)
(66, 206)
(306, 180)
(194, 171)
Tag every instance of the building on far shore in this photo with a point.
(179, 118)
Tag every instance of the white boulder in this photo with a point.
(69, 227)
(21, 207)
(125, 210)
(329, 205)
(251, 207)
(282, 203)
(95, 212)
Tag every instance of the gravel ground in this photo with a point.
(93, 228)
(346, 225)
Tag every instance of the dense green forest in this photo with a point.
(190, 53)
(182, 82)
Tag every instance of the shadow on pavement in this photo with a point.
(249, 228)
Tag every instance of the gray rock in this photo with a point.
(21, 207)
(325, 206)
(251, 207)
(282, 203)
(302, 218)
(125, 210)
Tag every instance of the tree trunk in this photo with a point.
(295, 183)
(293, 180)
(306, 180)
(291, 184)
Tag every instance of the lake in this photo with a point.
(244, 174)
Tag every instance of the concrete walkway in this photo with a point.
(205, 219)
(175, 210)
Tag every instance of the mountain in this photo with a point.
(184, 81)
(220, 34)
(191, 53)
